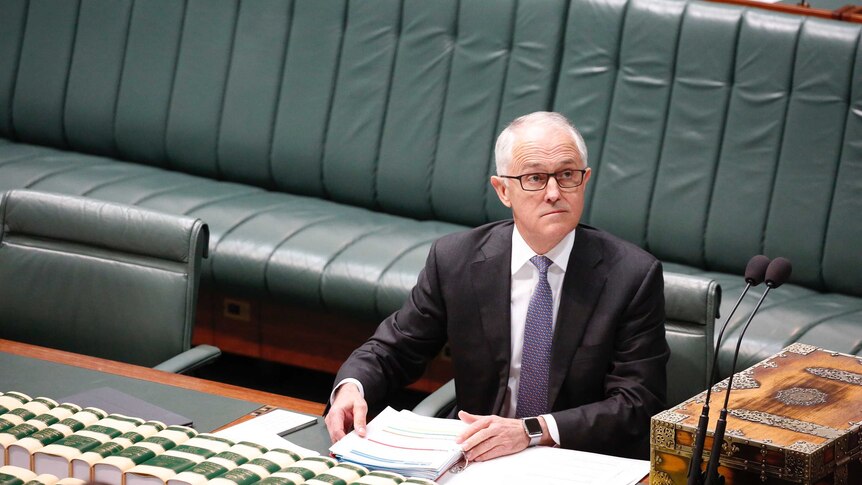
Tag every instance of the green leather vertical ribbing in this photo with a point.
(472, 106)
(695, 125)
(94, 78)
(753, 134)
(251, 95)
(196, 103)
(637, 118)
(40, 90)
(415, 108)
(359, 104)
(530, 76)
(306, 94)
(148, 76)
(811, 147)
(12, 17)
(588, 73)
(842, 259)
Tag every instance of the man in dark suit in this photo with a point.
(556, 329)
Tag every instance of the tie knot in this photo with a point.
(542, 263)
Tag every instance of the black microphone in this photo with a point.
(755, 273)
(777, 274)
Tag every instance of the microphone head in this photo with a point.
(755, 270)
(778, 272)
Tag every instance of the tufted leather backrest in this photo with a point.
(98, 278)
(715, 132)
(719, 133)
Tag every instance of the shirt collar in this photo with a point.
(559, 254)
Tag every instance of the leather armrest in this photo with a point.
(439, 403)
(190, 359)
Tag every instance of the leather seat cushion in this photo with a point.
(304, 249)
(789, 314)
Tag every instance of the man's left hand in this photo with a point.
(488, 437)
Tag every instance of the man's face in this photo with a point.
(545, 216)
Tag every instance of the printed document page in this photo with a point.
(405, 443)
(551, 466)
(267, 429)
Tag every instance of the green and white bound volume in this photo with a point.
(110, 470)
(43, 479)
(257, 469)
(21, 452)
(15, 475)
(380, 477)
(300, 471)
(12, 400)
(227, 460)
(71, 481)
(56, 458)
(342, 474)
(420, 481)
(28, 410)
(82, 466)
(160, 469)
(34, 424)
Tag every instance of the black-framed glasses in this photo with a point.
(566, 179)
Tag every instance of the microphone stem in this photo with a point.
(739, 343)
(712, 476)
(694, 473)
(712, 368)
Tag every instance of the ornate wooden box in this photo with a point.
(795, 418)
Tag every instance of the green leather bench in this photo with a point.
(327, 143)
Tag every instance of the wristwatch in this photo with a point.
(534, 430)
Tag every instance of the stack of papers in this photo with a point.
(404, 442)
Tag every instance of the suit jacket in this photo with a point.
(609, 351)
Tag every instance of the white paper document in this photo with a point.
(266, 428)
(404, 443)
(551, 466)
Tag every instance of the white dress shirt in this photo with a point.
(525, 277)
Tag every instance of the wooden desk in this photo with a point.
(40, 371)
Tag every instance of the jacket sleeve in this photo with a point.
(403, 344)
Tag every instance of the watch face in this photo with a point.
(533, 426)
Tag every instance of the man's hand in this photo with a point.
(488, 437)
(348, 411)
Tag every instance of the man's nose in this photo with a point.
(552, 190)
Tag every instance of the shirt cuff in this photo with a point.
(358, 384)
(550, 422)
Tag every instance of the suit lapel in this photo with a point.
(490, 275)
(582, 285)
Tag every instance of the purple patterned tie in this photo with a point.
(536, 355)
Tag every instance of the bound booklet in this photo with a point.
(21, 452)
(405, 443)
(35, 424)
(82, 466)
(219, 464)
(56, 458)
(161, 468)
(111, 470)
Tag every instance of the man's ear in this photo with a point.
(502, 190)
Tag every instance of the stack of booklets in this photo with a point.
(405, 443)
(63, 444)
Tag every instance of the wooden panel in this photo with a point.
(848, 13)
(317, 340)
(236, 325)
(203, 329)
